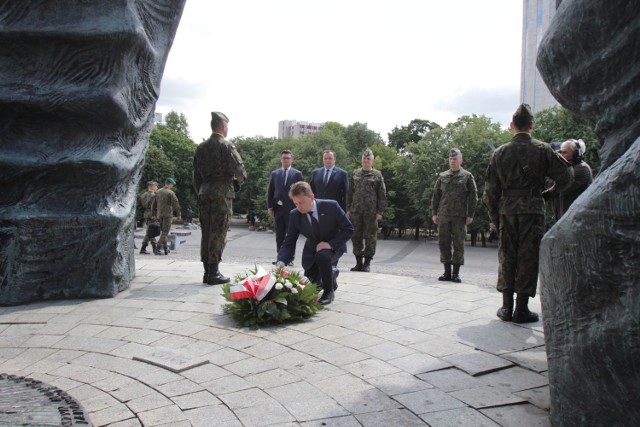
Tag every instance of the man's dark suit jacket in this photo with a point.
(334, 228)
(279, 191)
(336, 188)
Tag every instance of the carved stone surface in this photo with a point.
(78, 86)
(590, 260)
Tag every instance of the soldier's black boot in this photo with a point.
(506, 311)
(215, 277)
(166, 250)
(143, 250)
(446, 277)
(158, 250)
(522, 313)
(358, 266)
(366, 266)
(205, 278)
(455, 274)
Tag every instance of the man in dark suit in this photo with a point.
(278, 202)
(327, 229)
(330, 181)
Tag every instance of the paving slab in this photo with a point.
(475, 362)
(459, 417)
(163, 353)
(518, 415)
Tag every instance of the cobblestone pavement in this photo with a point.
(389, 351)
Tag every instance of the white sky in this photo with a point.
(383, 63)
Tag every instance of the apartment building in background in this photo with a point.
(537, 16)
(296, 129)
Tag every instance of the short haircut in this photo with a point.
(300, 188)
(333, 153)
(286, 152)
(217, 121)
(522, 122)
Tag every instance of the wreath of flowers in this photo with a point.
(263, 298)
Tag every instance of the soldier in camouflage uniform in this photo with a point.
(513, 196)
(366, 202)
(218, 172)
(164, 205)
(453, 204)
(145, 200)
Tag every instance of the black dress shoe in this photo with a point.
(327, 298)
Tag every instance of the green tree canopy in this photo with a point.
(400, 137)
(176, 122)
(170, 154)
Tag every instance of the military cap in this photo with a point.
(171, 180)
(150, 183)
(367, 153)
(524, 110)
(220, 115)
(454, 152)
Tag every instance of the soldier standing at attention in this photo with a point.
(218, 172)
(453, 204)
(164, 205)
(145, 200)
(366, 202)
(513, 196)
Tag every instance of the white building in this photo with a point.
(537, 16)
(296, 129)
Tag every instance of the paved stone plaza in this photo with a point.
(390, 351)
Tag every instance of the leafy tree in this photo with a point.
(254, 152)
(176, 122)
(413, 132)
(357, 138)
(557, 124)
(170, 153)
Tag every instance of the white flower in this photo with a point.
(288, 284)
(278, 286)
(294, 290)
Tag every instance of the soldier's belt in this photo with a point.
(522, 193)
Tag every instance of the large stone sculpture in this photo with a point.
(590, 260)
(78, 85)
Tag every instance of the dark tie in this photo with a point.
(284, 175)
(314, 223)
(327, 172)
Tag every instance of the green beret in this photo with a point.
(524, 110)
(454, 152)
(171, 181)
(220, 115)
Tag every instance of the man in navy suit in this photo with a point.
(330, 181)
(327, 229)
(278, 202)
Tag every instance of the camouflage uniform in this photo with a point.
(217, 168)
(367, 196)
(164, 205)
(145, 200)
(455, 197)
(513, 196)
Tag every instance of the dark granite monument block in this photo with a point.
(590, 260)
(78, 86)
